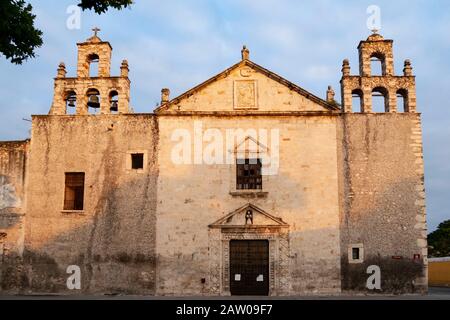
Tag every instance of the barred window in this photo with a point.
(248, 174)
(74, 191)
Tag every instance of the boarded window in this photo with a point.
(74, 191)
(248, 174)
(137, 161)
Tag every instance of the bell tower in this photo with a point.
(368, 84)
(93, 90)
(94, 51)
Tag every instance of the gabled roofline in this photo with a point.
(259, 68)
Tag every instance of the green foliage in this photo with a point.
(101, 6)
(439, 241)
(19, 38)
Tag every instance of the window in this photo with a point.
(93, 60)
(74, 192)
(71, 102)
(137, 161)
(377, 64)
(114, 102)
(93, 104)
(402, 100)
(380, 100)
(357, 100)
(356, 253)
(248, 174)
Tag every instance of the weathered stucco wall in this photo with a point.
(304, 194)
(13, 158)
(382, 190)
(113, 239)
(343, 180)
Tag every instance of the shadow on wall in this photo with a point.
(115, 244)
(116, 253)
(397, 276)
(389, 230)
(114, 249)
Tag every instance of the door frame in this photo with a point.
(219, 244)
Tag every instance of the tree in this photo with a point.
(19, 38)
(439, 240)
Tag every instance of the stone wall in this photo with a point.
(343, 180)
(113, 239)
(382, 188)
(304, 194)
(13, 159)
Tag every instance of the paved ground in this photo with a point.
(435, 293)
(443, 293)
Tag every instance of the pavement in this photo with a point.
(434, 293)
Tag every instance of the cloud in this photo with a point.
(320, 72)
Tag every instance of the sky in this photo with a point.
(178, 44)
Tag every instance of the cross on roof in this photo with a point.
(96, 30)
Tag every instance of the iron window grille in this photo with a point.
(248, 174)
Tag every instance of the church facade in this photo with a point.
(246, 184)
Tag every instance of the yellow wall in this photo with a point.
(439, 273)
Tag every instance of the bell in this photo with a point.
(71, 103)
(94, 102)
(114, 106)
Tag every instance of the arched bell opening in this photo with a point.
(357, 100)
(377, 64)
(114, 102)
(380, 100)
(70, 98)
(402, 100)
(93, 60)
(93, 104)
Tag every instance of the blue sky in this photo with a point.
(177, 44)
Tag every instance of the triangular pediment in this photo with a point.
(249, 216)
(250, 145)
(247, 87)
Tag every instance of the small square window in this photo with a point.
(356, 253)
(137, 161)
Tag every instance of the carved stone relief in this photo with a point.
(245, 94)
